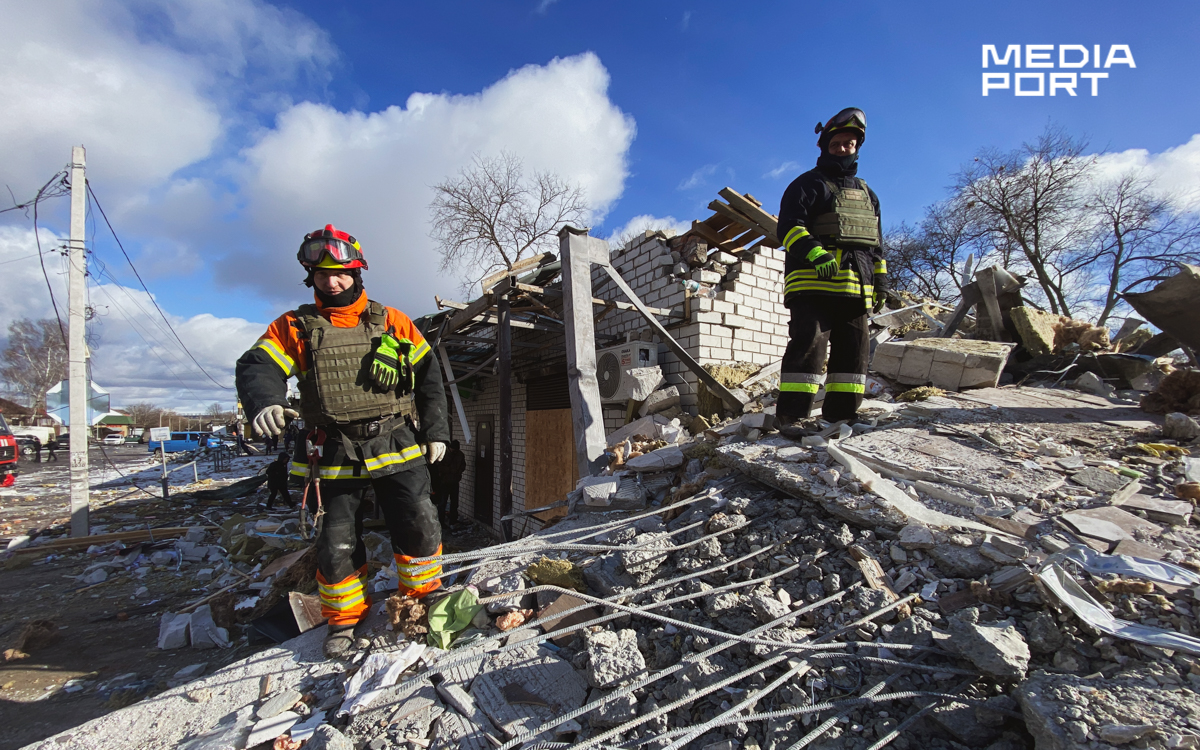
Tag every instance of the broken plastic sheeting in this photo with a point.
(452, 615)
(1068, 591)
(1128, 566)
(377, 673)
(890, 492)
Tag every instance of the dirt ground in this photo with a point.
(105, 654)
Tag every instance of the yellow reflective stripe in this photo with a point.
(286, 363)
(425, 572)
(340, 589)
(419, 353)
(388, 459)
(845, 388)
(342, 604)
(326, 472)
(881, 266)
(794, 234)
(799, 387)
(851, 288)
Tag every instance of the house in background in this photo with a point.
(716, 290)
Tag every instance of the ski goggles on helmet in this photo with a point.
(847, 118)
(316, 246)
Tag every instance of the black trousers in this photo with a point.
(445, 497)
(820, 324)
(281, 491)
(410, 516)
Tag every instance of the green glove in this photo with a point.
(880, 282)
(386, 363)
(825, 263)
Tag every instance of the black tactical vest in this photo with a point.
(338, 386)
(852, 222)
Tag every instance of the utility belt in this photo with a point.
(365, 429)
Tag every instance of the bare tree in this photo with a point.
(1141, 233)
(34, 360)
(491, 215)
(144, 413)
(216, 412)
(1025, 206)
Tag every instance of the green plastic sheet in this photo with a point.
(451, 615)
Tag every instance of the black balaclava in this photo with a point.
(342, 299)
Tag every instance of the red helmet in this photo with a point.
(330, 248)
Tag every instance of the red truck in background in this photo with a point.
(8, 455)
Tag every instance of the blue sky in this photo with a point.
(219, 131)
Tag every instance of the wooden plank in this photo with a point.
(754, 211)
(138, 535)
(713, 384)
(742, 220)
(504, 362)
(666, 312)
(550, 471)
(517, 269)
(710, 234)
(986, 279)
(451, 378)
(874, 576)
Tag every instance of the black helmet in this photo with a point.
(850, 118)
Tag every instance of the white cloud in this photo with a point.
(648, 222)
(699, 177)
(137, 358)
(544, 5)
(687, 20)
(149, 87)
(370, 173)
(787, 168)
(1175, 171)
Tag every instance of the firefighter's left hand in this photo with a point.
(385, 367)
(434, 451)
(880, 293)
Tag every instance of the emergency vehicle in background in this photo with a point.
(8, 455)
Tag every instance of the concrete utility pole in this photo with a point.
(77, 349)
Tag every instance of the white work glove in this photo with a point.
(434, 452)
(271, 421)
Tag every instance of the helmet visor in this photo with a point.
(312, 250)
(848, 118)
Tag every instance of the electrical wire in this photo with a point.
(152, 300)
(61, 177)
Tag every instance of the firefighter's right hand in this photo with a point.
(824, 262)
(385, 364)
(273, 419)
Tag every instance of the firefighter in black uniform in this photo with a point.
(835, 274)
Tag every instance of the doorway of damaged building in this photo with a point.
(551, 470)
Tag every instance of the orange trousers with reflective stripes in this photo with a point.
(412, 523)
(344, 602)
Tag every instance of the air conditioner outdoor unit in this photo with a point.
(614, 363)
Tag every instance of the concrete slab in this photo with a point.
(1060, 406)
(169, 719)
(916, 454)
(519, 696)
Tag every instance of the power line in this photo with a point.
(62, 181)
(152, 300)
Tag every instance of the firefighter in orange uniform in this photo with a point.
(374, 410)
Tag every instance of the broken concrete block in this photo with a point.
(660, 400)
(1179, 426)
(598, 491)
(758, 421)
(173, 630)
(643, 381)
(615, 712)
(995, 647)
(1095, 478)
(1090, 382)
(950, 364)
(613, 657)
(1036, 329)
(961, 562)
(191, 672)
(328, 738)
(649, 555)
(767, 608)
(278, 703)
(916, 536)
(266, 730)
(513, 583)
(670, 457)
(205, 633)
(99, 575)
(195, 534)
(460, 700)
